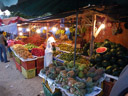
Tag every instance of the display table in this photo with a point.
(29, 67)
(53, 85)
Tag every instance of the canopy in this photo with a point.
(10, 20)
(11, 28)
(113, 8)
(40, 7)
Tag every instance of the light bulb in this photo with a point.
(38, 31)
(27, 29)
(45, 28)
(20, 29)
(20, 33)
(102, 26)
(54, 29)
(66, 28)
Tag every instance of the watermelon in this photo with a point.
(101, 50)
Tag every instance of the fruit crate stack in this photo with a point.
(39, 64)
(28, 69)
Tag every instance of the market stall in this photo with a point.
(91, 54)
(103, 50)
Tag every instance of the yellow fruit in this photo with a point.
(4, 33)
(58, 32)
(44, 31)
(62, 31)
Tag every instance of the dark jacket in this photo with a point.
(121, 86)
(2, 39)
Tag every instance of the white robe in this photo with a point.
(48, 58)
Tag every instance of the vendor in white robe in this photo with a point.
(48, 58)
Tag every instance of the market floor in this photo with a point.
(12, 82)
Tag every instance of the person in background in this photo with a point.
(2, 48)
(120, 88)
(48, 58)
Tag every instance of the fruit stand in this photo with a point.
(29, 58)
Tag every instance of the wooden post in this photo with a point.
(92, 36)
(47, 30)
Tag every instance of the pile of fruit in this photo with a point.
(66, 47)
(68, 56)
(19, 42)
(42, 46)
(55, 53)
(69, 48)
(30, 46)
(34, 39)
(53, 70)
(37, 52)
(22, 51)
(78, 87)
(19, 37)
(68, 78)
(113, 59)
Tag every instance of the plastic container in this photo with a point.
(18, 67)
(28, 64)
(17, 60)
(48, 93)
(28, 73)
(40, 62)
(38, 70)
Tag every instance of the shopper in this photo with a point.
(48, 58)
(2, 48)
(120, 88)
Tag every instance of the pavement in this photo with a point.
(13, 83)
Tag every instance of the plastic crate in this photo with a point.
(28, 64)
(38, 70)
(48, 93)
(40, 62)
(107, 87)
(18, 67)
(17, 60)
(28, 73)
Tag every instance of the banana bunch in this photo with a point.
(44, 31)
(58, 32)
(71, 29)
(62, 32)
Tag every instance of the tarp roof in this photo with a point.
(6, 21)
(40, 7)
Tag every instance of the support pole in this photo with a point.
(47, 31)
(92, 36)
(75, 36)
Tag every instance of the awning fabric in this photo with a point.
(40, 7)
(10, 20)
(11, 28)
(114, 8)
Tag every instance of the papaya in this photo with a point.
(81, 74)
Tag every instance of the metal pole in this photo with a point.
(75, 36)
(92, 36)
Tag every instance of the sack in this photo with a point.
(6, 44)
